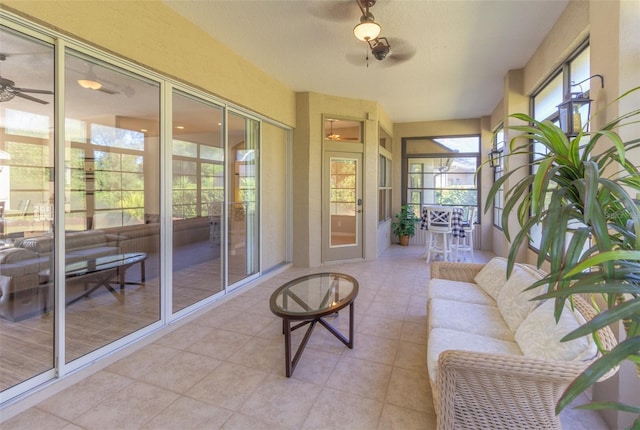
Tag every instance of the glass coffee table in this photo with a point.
(309, 299)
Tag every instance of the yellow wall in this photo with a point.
(153, 35)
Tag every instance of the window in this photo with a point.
(441, 171)
(498, 202)
(384, 176)
(342, 130)
(384, 188)
(545, 105)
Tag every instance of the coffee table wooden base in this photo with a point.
(287, 329)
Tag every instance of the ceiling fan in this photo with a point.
(90, 81)
(8, 89)
(368, 30)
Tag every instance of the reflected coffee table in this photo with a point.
(309, 299)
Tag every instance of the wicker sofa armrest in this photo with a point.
(480, 390)
(455, 271)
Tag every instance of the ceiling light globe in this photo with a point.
(367, 30)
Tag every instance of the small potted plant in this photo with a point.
(404, 225)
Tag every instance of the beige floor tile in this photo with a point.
(414, 332)
(33, 419)
(244, 422)
(79, 398)
(228, 385)
(335, 410)
(395, 418)
(143, 361)
(246, 323)
(282, 401)
(360, 377)
(186, 414)
(130, 408)
(411, 356)
(314, 366)
(219, 343)
(410, 390)
(184, 336)
(379, 326)
(373, 348)
(181, 372)
(262, 354)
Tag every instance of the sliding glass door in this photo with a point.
(242, 215)
(111, 202)
(26, 202)
(198, 200)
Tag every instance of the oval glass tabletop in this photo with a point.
(314, 295)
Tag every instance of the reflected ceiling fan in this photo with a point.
(8, 89)
(90, 81)
(335, 136)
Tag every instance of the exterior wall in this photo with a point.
(273, 219)
(151, 34)
(307, 172)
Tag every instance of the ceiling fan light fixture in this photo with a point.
(367, 29)
(89, 84)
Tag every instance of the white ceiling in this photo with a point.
(461, 49)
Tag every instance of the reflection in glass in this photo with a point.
(112, 204)
(198, 196)
(242, 217)
(26, 209)
(343, 202)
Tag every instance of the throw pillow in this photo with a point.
(514, 302)
(492, 276)
(539, 335)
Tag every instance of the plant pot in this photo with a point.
(404, 240)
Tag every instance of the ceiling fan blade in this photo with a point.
(335, 11)
(30, 90)
(107, 90)
(33, 99)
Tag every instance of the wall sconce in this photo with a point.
(495, 157)
(569, 111)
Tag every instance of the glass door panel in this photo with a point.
(242, 216)
(26, 209)
(343, 202)
(198, 199)
(342, 208)
(112, 204)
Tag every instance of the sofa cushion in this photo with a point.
(442, 339)
(492, 276)
(468, 317)
(513, 301)
(458, 290)
(539, 335)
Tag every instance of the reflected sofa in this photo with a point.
(25, 269)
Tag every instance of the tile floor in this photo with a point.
(224, 369)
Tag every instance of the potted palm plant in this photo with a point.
(404, 225)
(583, 193)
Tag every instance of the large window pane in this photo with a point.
(112, 203)
(197, 200)
(26, 205)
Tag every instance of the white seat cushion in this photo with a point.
(469, 318)
(442, 339)
(458, 290)
(539, 335)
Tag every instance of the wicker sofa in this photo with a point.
(494, 357)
